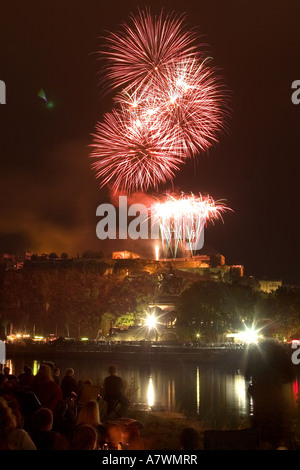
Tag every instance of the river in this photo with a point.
(213, 394)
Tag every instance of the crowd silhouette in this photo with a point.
(44, 412)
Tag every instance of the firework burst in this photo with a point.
(193, 103)
(132, 153)
(181, 220)
(169, 107)
(140, 54)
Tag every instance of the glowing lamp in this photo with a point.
(150, 321)
(249, 336)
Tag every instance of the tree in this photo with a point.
(125, 320)
(284, 310)
(106, 323)
(211, 308)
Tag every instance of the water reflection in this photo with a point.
(236, 392)
(198, 391)
(224, 398)
(9, 363)
(150, 393)
(295, 391)
(35, 367)
(219, 398)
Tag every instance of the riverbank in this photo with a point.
(233, 357)
(161, 430)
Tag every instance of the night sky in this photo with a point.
(49, 194)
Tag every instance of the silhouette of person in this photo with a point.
(113, 393)
(26, 378)
(189, 439)
(8, 375)
(69, 384)
(269, 370)
(84, 438)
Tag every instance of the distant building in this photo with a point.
(236, 271)
(205, 259)
(217, 260)
(124, 255)
(269, 286)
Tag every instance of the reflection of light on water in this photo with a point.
(198, 390)
(35, 367)
(171, 395)
(150, 393)
(251, 406)
(240, 389)
(296, 391)
(236, 393)
(9, 363)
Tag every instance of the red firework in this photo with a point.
(140, 54)
(171, 106)
(133, 154)
(193, 103)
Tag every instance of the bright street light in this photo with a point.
(150, 321)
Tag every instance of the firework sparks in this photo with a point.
(141, 53)
(170, 107)
(193, 104)
(189, 102)
(182, 219)
(132, 154)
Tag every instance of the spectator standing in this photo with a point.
(113, 393)
(25, 379)
(45, 388)
(69, 384)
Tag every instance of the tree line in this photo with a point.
(88, 298)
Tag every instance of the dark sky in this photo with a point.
(49, 194)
